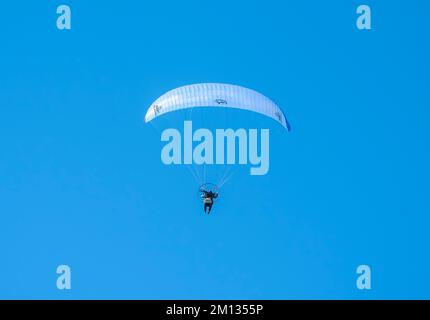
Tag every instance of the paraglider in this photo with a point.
(208, 200)
(216, 96)
(208, 192)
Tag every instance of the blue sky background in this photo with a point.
(82, 184)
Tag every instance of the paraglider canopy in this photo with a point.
(218, 95)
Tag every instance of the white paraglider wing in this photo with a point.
(216, 95)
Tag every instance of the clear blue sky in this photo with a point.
(82, 184)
